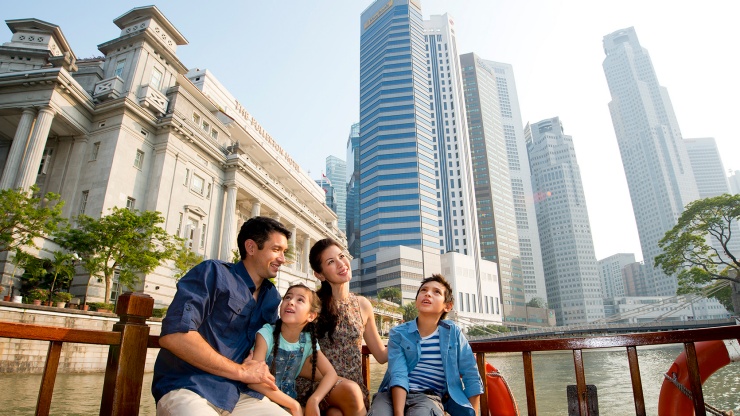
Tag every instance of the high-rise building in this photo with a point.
(637, 281)
(352, 217)
(654, 156)
(734, 180)
(329, 193)
(415, 173)
(499, 239)
(336, 171)
(571, 272)
(398, 154)
(706, 163)
(610, 272)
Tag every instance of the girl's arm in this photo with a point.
(277, 396)
(372, 338)
(327, 383)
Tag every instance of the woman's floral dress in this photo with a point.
(345, 351)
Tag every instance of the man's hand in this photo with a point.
(253, 371)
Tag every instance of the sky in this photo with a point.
(294, 65)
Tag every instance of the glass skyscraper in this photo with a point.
(336, 171)
(571, 271)
(398, 154)
(353, 191)
(656, 164)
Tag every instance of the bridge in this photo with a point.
(601, 329)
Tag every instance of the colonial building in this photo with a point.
(135, 128)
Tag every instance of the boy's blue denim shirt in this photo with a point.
(461, 370)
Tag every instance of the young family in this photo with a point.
(232, 346)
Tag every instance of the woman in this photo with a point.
(345, 320)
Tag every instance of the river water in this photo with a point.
(79, 394)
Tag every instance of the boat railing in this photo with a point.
(129, 340)
(576, 345)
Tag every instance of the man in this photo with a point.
(211, 325)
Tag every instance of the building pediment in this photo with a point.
(34, 37)
(195, 210)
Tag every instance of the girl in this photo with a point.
(344, 322)
(285, 347)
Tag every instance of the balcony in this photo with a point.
(151, 98)
(108, 89)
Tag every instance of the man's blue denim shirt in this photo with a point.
(461, 370)
(215, 299)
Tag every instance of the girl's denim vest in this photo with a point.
(287, 367)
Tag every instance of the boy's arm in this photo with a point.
(468, 368)
(397, 362)
(398, 395)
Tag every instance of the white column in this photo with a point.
(20, 140)
(228, 235)
(293, 231)
(306, 249)
(36, 143)
(256, 208)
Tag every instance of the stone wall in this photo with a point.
(28, 356)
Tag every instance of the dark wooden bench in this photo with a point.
(129, 340)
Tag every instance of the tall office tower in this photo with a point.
(734, 180)
(709, 172)
(610, 272)
(329, 192)
(336, 171)
(657, 167)
(493, 187)
(415, 174)
(352, 215)
(398, 153)
(637, 281)
(456, 193)
(571, 273)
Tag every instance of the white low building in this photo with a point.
(134, 128)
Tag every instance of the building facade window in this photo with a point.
(119, 68)
(130, 204)
(179, 225)
(198, 184)
(95, 150)
(206, 126)
(187, 177)
(139, 160)
(196, 118)
(83, 201)
(214, 134)
(202, 236)
(156, 81)
(45, 161)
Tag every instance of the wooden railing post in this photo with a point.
(124, 373)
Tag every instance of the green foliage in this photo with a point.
(130, 242)
(537, 303)
(26, 217)
(159, 312)
(37, 294)
(479, 330)
(101, 306)
(409, 312)
(235, 257)
(62, 297)
(392, 294)
(697, 248)
(185, 259)
(63, 269)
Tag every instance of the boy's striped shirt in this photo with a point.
(429, 373)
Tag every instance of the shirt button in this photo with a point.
(238, 311)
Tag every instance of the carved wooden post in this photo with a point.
(124, 373)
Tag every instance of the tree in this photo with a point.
(697, 248)
(129, 242)
(409, 312)
(537, 303)
(26, 216)
(185, 259)
(62, 266)
(391, 294)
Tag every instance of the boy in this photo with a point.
(431, 368)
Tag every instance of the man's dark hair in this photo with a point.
(258, 229)
(448, 289)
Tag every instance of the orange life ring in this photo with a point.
(711, 356)
(500, 400)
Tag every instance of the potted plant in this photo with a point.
(61, 298)
(102, 307)
(37, 294)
